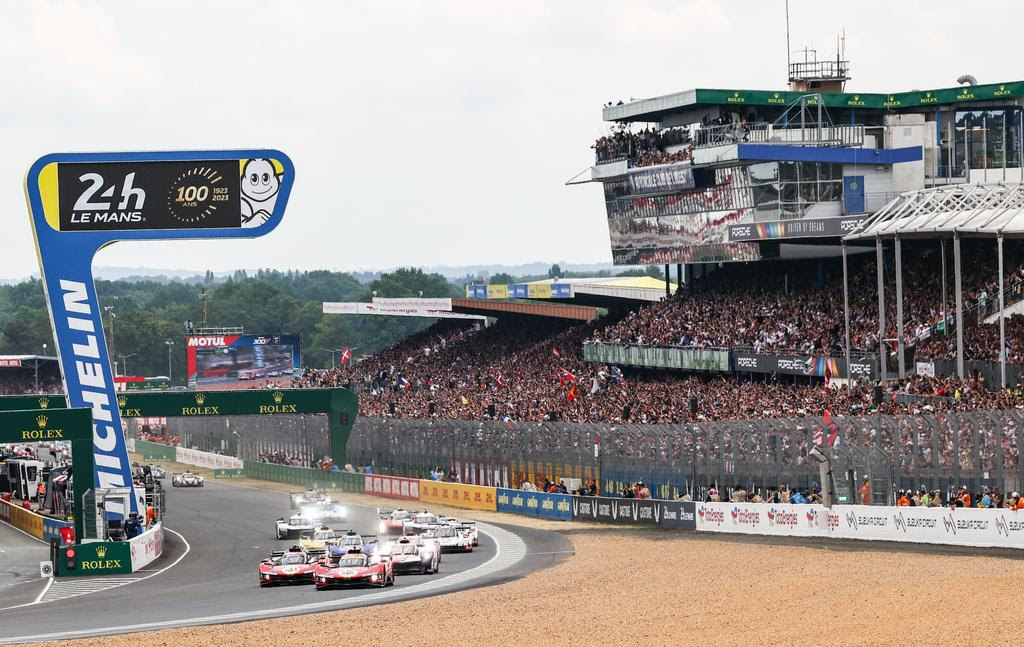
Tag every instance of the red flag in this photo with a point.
(554, 351)
(565, 376)
(501, 381)
(828, 371)
(346, 355)
(573, 393)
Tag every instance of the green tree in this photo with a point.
(555, 271)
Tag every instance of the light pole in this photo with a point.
(110, 317)
(169, 345)
(124, 362)
(37, 369)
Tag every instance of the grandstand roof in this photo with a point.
(604, 290)
(967, 209)
(655, 108)
(495, 308)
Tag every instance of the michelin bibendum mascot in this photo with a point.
(260, 185)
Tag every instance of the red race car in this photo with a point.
(353, 568)
(292, 566)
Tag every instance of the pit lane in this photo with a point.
(229, 529)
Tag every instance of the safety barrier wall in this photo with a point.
(785, 519)
(392, 487)
(146, 547)
(155, 451)
(207, 459)
(305, 477)
(228, 473)
(26, 520)
(535, 504)
(476, 497)
(51, 528)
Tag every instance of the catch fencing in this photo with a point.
(937, 450)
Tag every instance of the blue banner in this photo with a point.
(51, 528)
(82, 202)
(536, 504)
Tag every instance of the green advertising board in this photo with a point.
(697, 359)
(228, 473)
(340, 405)
(95, 558)
(891, 101)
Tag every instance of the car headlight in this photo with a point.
(374, 577)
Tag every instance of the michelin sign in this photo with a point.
(81, 202)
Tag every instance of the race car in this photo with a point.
(309, 496)
(292, 566)
(187, 479)
(319, 539)
(465, 526)
(157, 471)
(398, 514)
(453, 540)
(295, 526)
(352, 568)
(408, 557)
(421, 522)
(389, 529)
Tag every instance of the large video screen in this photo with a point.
(227, 359)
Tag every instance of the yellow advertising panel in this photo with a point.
(497, 291)
(539, 290)
(476, 497)
(27, 521)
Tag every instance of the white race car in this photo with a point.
(398, 514)
(296, 526)
(463, 526)
(187, 479)
(409, 556)
(453, 540)
(421, 522)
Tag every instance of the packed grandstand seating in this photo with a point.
(645, 147)
(788, 310)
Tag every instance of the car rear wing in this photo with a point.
(276, 553)
(384, 514)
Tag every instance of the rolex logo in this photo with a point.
(101, 551)
(41, 421)
(200, 398)
(122, 400)
(278, 397)
(44, 402)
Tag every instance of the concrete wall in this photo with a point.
(902, 131)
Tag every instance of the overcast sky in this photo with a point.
(423, 133)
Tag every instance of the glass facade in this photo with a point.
(784, 190)
(983, 139)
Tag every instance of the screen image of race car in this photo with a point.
(221, 359)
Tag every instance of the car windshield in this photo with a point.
(425, 518)
(293, 558)
(299, 521)
(323, 534)
(352, 561)
(352, 541)
(445, 532)
(407, 549)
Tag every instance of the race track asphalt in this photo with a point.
(20, 555)
(226, 530)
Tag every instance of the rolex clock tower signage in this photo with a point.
(79, 203)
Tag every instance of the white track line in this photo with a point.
(30, 536)
(76, 587)
(513, 552)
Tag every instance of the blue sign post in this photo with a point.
(82, 202)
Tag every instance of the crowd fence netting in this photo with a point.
(937, 451)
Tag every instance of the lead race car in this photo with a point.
(292, 566)
(352, 568)
(187, 479)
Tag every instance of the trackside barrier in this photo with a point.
(228, 473)
(206, 459)
(155, 451)
(26, 520)
(959, 527)
(146, 547)
(535, 504)
(305, 476)
(476, 497)
(392, 487)
(51, 528)
(781, 519)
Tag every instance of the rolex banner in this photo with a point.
(95, 558)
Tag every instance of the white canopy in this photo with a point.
(972, 209)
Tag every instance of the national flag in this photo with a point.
(618, 376)
(573, 393)
(565, 376)
(403, 383)
(501, 381)
(828, 373)
(554, 351)
(346, 355)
